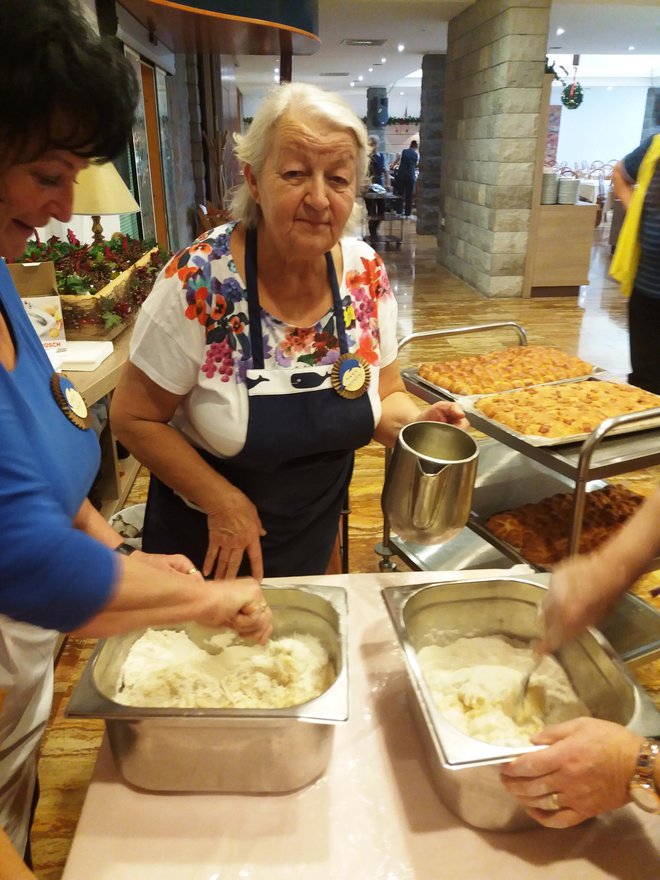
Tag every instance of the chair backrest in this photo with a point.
(208, 216)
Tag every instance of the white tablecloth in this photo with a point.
(373, 815)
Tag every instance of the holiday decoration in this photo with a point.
(572, 96)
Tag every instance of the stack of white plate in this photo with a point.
(549, 187)
(568, 190)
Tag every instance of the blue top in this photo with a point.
(377, 168)
(51, 574)
(647, 279)
(408, 164)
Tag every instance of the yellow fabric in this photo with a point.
(625, 261)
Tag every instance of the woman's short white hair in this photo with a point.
(304, 102)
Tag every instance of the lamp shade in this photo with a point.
(100, 190)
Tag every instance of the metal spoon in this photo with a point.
(524, 685)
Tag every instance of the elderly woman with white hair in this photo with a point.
(266, 355)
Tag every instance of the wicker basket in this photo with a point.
(83, 313)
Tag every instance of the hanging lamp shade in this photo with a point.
(238, 27)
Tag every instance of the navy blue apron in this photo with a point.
(296, 463)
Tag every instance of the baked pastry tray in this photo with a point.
(596, 373)
(480, 420)
(506, 480)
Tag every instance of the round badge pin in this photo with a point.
(70, 401)
(350, 376)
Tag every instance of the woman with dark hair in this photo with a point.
(65, 98)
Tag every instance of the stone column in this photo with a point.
(494, 81)
(651, 123)
(430, 137)
(377, 113)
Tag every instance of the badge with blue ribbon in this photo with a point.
(351, 376)
(70, 401)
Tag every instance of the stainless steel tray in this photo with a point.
(464, 770)
(478, 419)
(226, 750)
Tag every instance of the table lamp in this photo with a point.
(100, 190)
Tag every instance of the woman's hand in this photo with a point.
(444, 411)
(234, 529)
(244, 608)
(582, 590)
(584, 771)
(169, 562)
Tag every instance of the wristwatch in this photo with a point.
(642, 787)
(126, 549)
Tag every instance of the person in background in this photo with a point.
(406, 176)
(591, 766)
(636, 261)
(65, 98)
(266, 354)
(378, 175)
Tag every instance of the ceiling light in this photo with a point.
(383, 60)
(365, 42)
(560, 31)
(631, 48)
(276, 70)
(609, 88)
(352, 85)
(400, 93)
(400, 47)
(371, 70)
(360, 78)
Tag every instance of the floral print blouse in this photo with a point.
(192, 335)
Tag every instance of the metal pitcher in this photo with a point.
(427, 494)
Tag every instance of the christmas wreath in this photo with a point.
(572, 96)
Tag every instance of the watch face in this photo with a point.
(645, 796)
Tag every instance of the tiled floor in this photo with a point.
(593, 326)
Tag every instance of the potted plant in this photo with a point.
(101, 286)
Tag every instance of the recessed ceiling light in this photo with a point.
(631, 48)
(400, 93)
(560, 31)
(360, 77)
(383, 60)
(363, 42)
(276, 70)
(352, 85)
(371, 70)
(400, 47)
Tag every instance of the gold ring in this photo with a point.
(553, 799)
(192, 570)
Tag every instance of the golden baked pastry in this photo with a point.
(540, 531)
(565, 410)
(501, 370)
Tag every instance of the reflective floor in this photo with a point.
(592, 325)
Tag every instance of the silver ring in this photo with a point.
(553, 801)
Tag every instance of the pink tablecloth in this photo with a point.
(373, 816)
